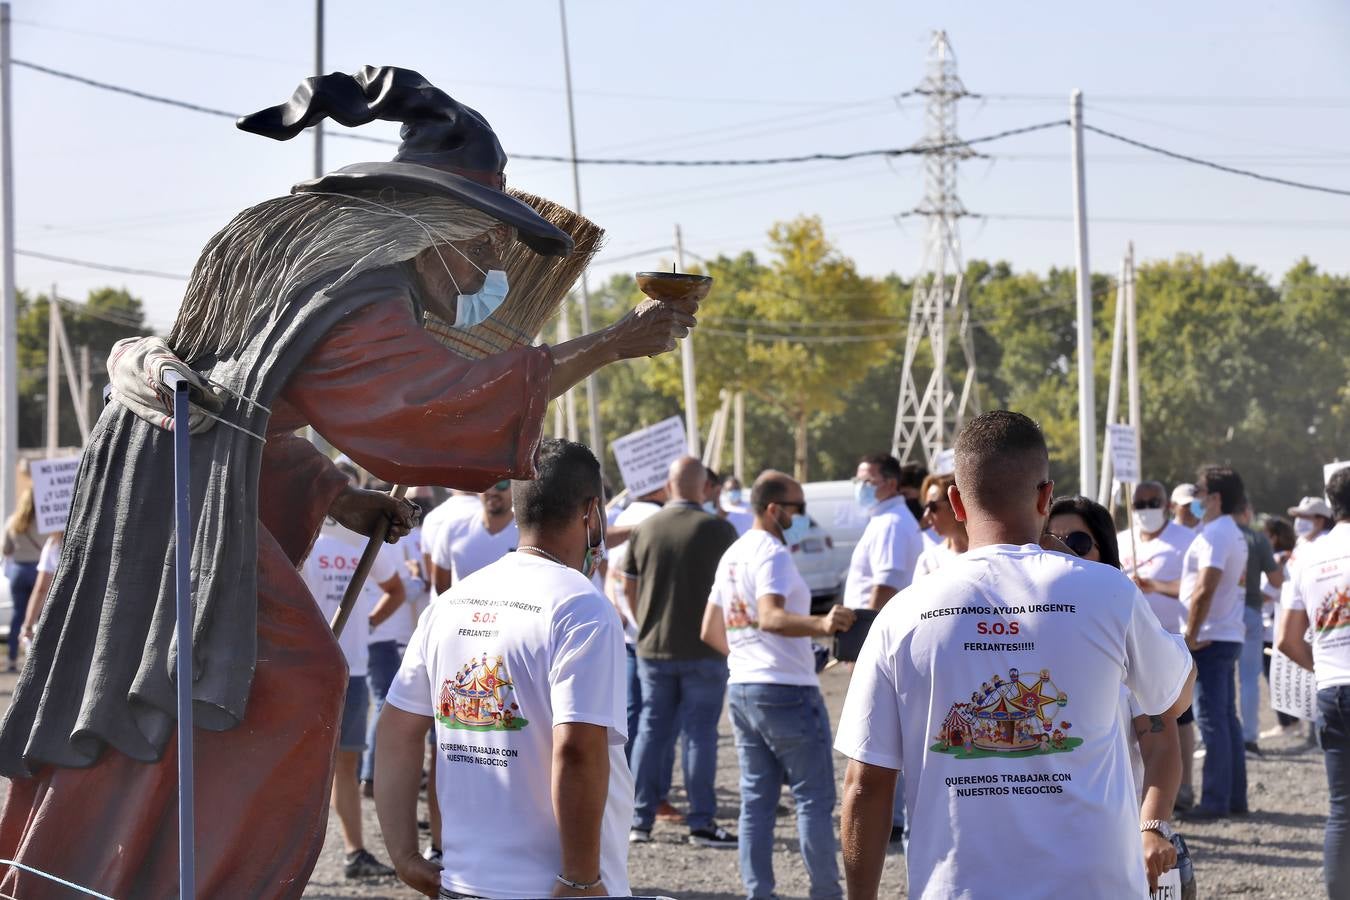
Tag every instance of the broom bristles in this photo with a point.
(538, 286)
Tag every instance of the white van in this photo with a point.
(833, 509)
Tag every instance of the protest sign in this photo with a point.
(1169, 886)
(945, 462)
(53, 488)
(1293, 689)
(645, 455)
(1124, 441)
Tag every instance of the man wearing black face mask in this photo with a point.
(520, 670)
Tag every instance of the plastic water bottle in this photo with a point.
(1185, 867)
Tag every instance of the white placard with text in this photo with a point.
(945, 462)
(1293, 689)
(53, 488)
(645, 455)
(1124, 443)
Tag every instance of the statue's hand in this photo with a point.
(360, 511)
(652, 328)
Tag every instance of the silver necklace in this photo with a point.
(544, 553)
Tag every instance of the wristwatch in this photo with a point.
(1158, 825)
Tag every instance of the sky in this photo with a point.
(118, 180)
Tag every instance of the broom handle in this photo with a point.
(358, 581)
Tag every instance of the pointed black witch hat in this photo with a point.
(448, 149)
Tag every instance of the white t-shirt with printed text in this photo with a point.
(499, 659)
(328, 571)
(996, 684)
(465, 545)
(757, 565)
(885, 554)
(1218, 545)
(1160, 559)
(1321, 586)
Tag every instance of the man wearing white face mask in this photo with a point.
(883, 559)
(1153, 556)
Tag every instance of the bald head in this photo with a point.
(1002, 465)
(686, 479)
(773, 486)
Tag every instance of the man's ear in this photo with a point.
(1045, 495)
(958, 507)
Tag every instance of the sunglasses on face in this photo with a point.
(1151, 503)
(931, 506)
(800, 507)
(1080, 542)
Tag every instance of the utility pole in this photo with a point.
(53, 376)
(9, 318)
(1113, 388)
(318, 70)
(922, 417)
(687, 367)
(86, 383)
(738, 439)
(1087, 409)
(592, 393)
(1132, 346)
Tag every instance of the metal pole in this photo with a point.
(53, 379)
(1132, 350)
(1113, 391)
(68, 362)
(592, 391)
(182, 488)
(687, 366)
(318, 70)
(9, 318)
(569, 396)
(1087, 412)
(86, 382)
(738, 439)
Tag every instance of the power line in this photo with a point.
(103, 267)
(1213, 165)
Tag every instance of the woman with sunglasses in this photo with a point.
(937, 510)
(1086, 528)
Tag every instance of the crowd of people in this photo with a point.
(536, 659)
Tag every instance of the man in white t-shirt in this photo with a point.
(883, 559)
(468, 543)
(995, 683)
(327, 572)
(459, 505)
(1318, 597)
(1153, 556)
(1211, 590)
(759, 614)
(519, 669)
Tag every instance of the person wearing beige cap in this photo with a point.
(1183, 495)
(1312, 519)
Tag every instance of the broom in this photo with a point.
(538, 285)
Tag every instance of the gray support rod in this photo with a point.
(182, 554)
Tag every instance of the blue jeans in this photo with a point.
(1249, 673)
(385, 657)
(21, 577)
(635, 713)
(1225, 771)
(675, 692)
(1333, 708)
(783, 733)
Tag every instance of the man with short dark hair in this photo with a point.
(1211, 590)
(465, 545)
(759, 616)
(672, 558)
(884, 558)
(995, 684)
(519, 668)
(1319, 596)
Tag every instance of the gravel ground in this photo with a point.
(1276, 852)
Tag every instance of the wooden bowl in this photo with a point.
(674, 287)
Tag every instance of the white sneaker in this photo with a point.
(639, 836)
(432, 854)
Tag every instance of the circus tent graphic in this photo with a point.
(1334, 611)
(481, 696)
(1012, 716)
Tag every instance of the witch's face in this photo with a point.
(448, 270)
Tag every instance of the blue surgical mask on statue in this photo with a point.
(865, 492)
(796, 531)
(475, 308)
(1198, 508)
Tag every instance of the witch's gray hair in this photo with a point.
(268, 252)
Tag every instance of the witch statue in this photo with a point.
(305, 310)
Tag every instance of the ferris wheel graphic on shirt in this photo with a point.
(480, 697)
(1334, 612)
(1010, 718)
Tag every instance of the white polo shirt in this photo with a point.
(996, 685)
(1321, 586)
(886, 553)
(1160, 559)
(1218, 545)
(498, 661)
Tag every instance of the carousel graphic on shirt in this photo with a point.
(1333, 613)
(738, 614)
(1012, 718)
(480, 697)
